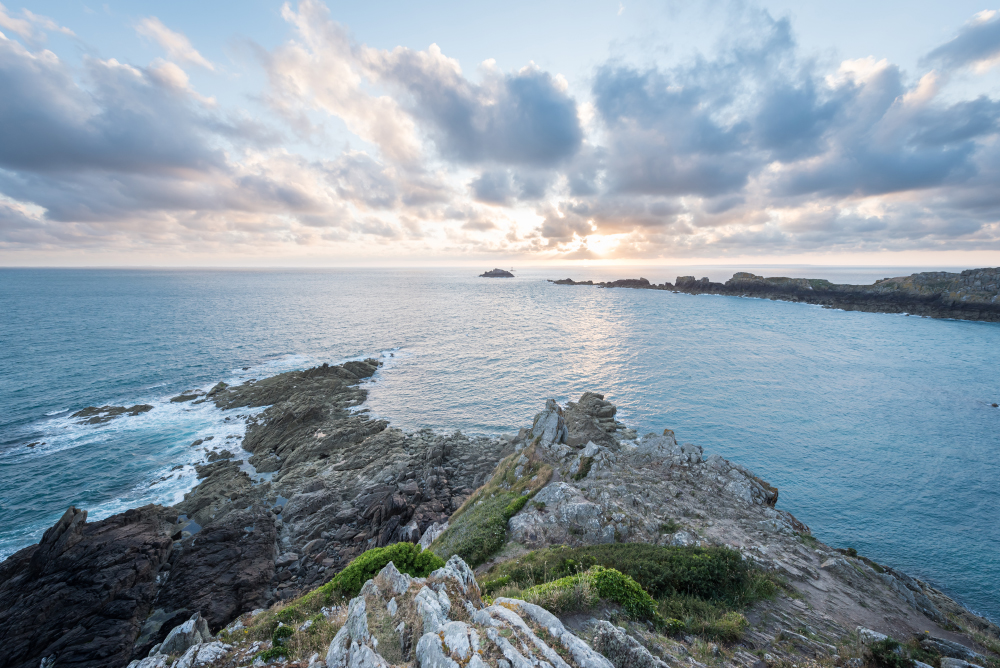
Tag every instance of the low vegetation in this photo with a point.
(299, 627)
(699, 591)
(478, 529)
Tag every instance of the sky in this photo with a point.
(262, 133)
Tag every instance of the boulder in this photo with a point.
(192, 632)
(549, 426)
(623, 650)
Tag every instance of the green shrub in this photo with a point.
(585, 464)
(280, 633)
(670, 526)
(711, 573)
(278, 649)
(584, 590)
(887, 654)
(407, 557)
(710, 620)
(478, 529)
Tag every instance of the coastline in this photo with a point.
(973, 294)
(341, 482)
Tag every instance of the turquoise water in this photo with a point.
(877, 428)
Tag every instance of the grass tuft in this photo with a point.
(478, 529)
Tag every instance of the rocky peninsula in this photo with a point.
(973, 294)
(574, 543)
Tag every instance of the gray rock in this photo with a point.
(286, 559)
(154, 661)
(951, 649)
(431, 612)
(549, 425)
(950, 662)
(206, 654)
(869, 637)
(623, 650)
(430, 653)
(431, 534)
(582, 654)
(391, 580)
(192, 632)
(410, 533)
(460, 573)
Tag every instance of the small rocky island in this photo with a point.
(973, 294)
(332, 539)
(497, 273)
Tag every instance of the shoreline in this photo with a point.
(973, 294)
(340, 482)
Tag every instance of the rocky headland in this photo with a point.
(263, 562)
(973, 294)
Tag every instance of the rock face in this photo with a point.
(973, 294)
(444, 624)
(79, 597)
(497, 273)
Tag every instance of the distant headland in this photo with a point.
(973, 294)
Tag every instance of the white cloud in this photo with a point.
(177, 46)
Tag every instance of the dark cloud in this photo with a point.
(977, 41)
(123, 121)
(493, 187)
(524, 118)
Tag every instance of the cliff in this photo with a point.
(592, 548)
(973, 294)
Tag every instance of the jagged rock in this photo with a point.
(623, 650)
(223, 570)
(154, 661)
(431, 534)
(591, 419)
(192, 632)
(202, 655)
(952, 649)
(549, 426)
(80, 596)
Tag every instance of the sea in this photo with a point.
(877, 429)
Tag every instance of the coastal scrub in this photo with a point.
(478, 529)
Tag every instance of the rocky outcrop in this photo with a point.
(316, 483)
(445, 624)
(973, 294)
(102, 414)
(497, 273)
(153, 584)
(79, 597)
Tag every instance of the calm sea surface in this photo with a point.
(877, 429)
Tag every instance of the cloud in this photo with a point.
(976, 44)
(390, 97)
(523, 118)
(750, 147)
(28, 27)
(175, 44)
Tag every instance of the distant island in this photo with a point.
(497, 273)
(973, 294)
